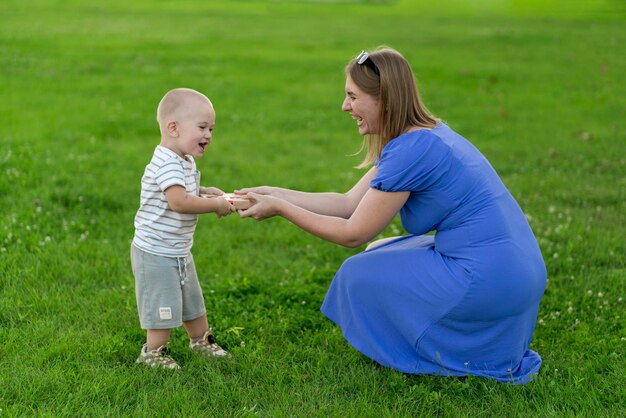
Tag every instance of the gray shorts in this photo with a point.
(167, 289)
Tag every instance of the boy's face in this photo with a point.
(194, 129)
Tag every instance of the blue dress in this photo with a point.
(461, 302)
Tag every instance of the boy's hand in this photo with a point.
(214, 191)
(224, 207)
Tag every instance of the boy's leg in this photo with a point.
(154, 353)
(159, 302)
(201, 338)
(157, 338)
(196, 327)
(158, 293)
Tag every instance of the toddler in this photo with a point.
(166, 283)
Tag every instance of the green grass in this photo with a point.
(537, 86)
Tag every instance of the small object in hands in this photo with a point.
(239, 202)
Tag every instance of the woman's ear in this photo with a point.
(172, 128)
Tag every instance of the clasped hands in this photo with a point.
(263, 204)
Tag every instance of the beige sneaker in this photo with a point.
(159, 357)
(207, 346)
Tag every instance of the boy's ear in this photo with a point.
(172, 128)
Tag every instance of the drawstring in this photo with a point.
(182, 270)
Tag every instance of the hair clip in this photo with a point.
(364, 58)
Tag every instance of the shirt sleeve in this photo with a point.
(411, 162)
(170, 174)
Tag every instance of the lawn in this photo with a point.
(538, 86)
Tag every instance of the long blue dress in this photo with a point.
(461, 302)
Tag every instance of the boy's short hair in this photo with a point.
(174, 100)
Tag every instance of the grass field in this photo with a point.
(538, 86)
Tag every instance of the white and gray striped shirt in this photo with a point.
(158, 229)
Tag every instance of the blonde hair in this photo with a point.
(176, 101)
(395, 88)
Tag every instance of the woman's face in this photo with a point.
(362, 107)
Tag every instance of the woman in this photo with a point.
(463, 301)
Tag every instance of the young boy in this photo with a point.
(166, 282)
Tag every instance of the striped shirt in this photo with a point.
(158, 229)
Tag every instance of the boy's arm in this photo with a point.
(181, 202)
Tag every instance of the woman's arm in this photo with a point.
(374, 212)
(341, 205)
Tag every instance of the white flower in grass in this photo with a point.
(570, 310)
(600, 294)
(541, 322)
(589, 293)
(555, 255)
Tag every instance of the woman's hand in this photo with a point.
(263, 205)
(262, 190)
